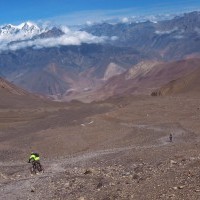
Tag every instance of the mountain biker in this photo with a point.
(35, 159)
(170, 137)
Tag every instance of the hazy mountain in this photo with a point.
(30, 68)
(169, 39)
(66, 63)
(145, 77)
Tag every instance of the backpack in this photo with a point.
(37, 154)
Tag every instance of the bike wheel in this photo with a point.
(40, 168)
(33, 170)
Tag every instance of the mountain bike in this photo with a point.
(36, 167)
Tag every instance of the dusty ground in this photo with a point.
(117, 149)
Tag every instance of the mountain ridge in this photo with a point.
(60, 62)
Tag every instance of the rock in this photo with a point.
(112, 184)
(88, 171)
(32, 189)
(100, 184)
(81, 198)
(135, 176)
(179, 187)
(172, 162)
(67, 184)
(183, 160)
(171, 195)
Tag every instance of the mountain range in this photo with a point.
(168, 40)
(24, 29)
(97, 59)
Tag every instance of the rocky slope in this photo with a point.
(8, 87)
(117, 149)
(12, 96)
(145, 77)
(188, 84)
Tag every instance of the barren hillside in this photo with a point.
(189, 84)
(142, 78)
(116, 149)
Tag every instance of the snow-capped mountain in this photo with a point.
(31, 31)
(13, 33)
(27, 28)
(31, 35)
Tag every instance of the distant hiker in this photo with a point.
(34, 159)
(170, 137)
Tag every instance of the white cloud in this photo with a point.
(166, 32)
(125, 20)
(179, 37)
(65, 30)
(89, 23)
(97, 16)
(113, 38)
(16, 42)
(154, 13)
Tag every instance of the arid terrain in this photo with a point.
(115, 149)
(111, 105)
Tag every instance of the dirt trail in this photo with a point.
(58, 165)
(23, 182)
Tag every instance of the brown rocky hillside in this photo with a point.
(12, 96)
(189, 84)
(8, 87)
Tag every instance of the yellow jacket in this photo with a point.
(34, 157)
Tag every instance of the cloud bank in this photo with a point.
(166, 32)
(19, 41)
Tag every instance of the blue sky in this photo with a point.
(80, 11)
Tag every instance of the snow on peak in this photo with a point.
(28, 34)
(28, 23)
(23, 31)
(26, 28)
